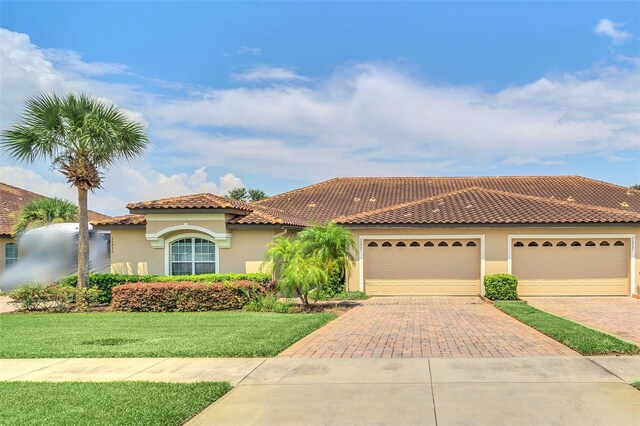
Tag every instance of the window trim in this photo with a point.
(14, 260)
(167, 251)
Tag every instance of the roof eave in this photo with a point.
(487, 225)
(174, 210)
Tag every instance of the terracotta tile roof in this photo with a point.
(13, 199)
(487, 206)
(346, 197)
(264, 215)
(129, 219)
(195, 201)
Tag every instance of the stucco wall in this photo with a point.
(247, 250)
(496, 246)
(212, 222)
(131, 253)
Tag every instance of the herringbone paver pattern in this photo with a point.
(615, 315)
(409, 327)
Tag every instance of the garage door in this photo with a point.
(561, 267)
(422, 267)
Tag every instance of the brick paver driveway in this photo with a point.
(425, 327)
(614, 315)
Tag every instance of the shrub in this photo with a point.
(56, 298)
(105, 282)
(501, 287)
(29, 297)
(184, 296)
(269, 303)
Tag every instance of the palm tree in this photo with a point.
(44, 211)
(280, 252)
(332, 244)
(300, 275)
(81, 136)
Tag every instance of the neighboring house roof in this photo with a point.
(195, 201)
(13, 199)
(345, 200)
(129, 219)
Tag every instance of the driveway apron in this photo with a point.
(419, 327)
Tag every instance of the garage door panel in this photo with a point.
(588, 287)
(566, 270)
(422, 287)
(421, 269)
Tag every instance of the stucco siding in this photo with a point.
(247, 250)
(496, 242)
(132, 254)
(159, 222)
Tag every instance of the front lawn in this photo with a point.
(105, 403)
(584, 340)
(178, 334)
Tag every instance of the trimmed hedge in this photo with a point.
(501, 287)
(184, 296)
(105, 282)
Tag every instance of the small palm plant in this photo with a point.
(300, 275)
(45, 211)
(333, 245)
(280, 252)
(81, 136)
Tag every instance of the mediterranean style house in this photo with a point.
(561, 235)
(12, 200)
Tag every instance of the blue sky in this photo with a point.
(278, 95)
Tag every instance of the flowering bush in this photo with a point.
(105, 282)
(184, 296)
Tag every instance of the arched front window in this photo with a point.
(10, 254)
(193, 256)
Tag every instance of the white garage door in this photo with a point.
(571, 267)
(422, 267)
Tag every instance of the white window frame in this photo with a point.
(480, 237)
(13, 259)
(167, 251)
(630, 237)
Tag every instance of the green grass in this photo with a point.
(105, 403)
(584, 340)
(636, 384)
(179, 334)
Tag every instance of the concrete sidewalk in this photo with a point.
(231, 370)
(444, 391)
(512, 391)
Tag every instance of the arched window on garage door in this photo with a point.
(192, 256)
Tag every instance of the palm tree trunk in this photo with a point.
(83, 241)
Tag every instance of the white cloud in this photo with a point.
(520, 160)
(28, 70)
(255, 51)
(144, 183)
(266, 73)
(132, 182)
(72, 61)
(365, 119)
(607, 28)
(375, 119)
